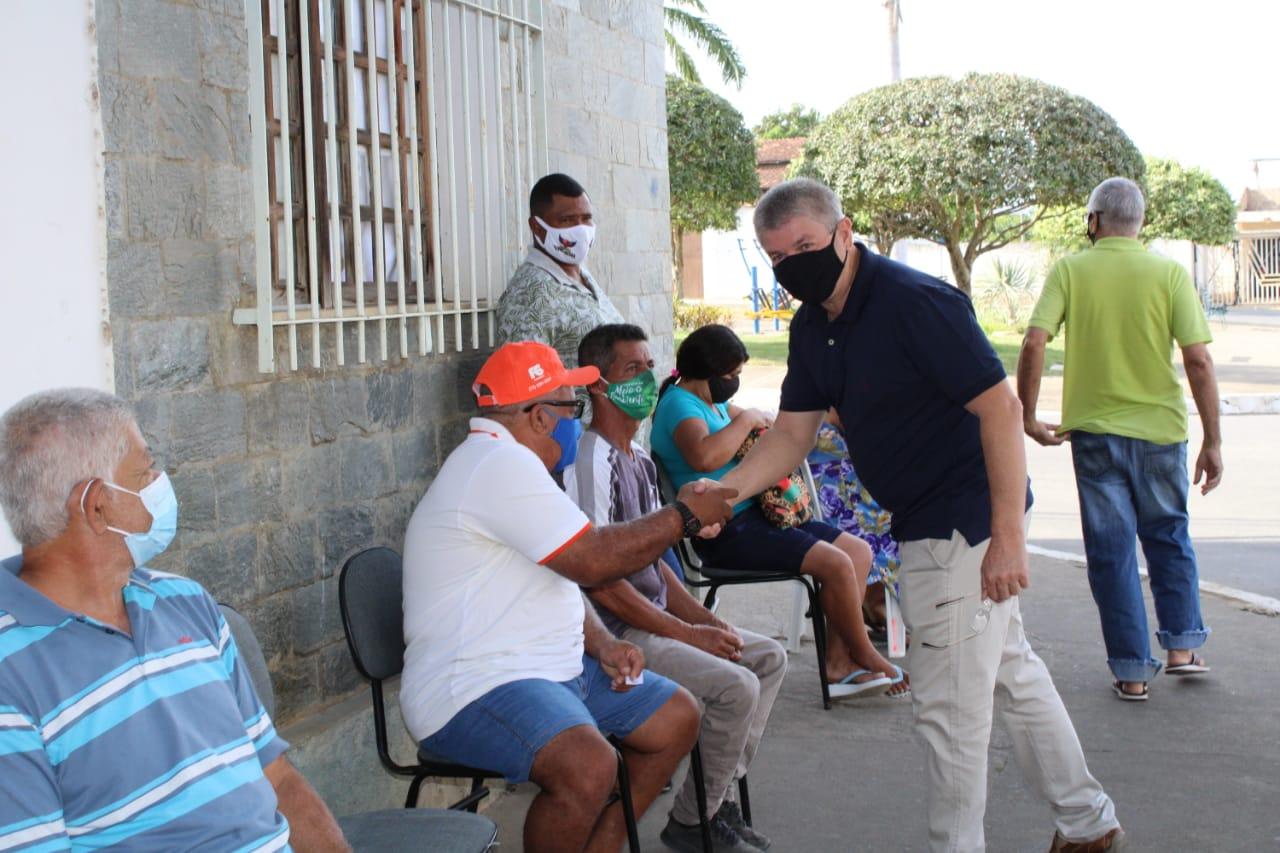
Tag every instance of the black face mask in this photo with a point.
(811, 276)
(722, 389)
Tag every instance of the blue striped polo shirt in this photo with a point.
(153, 742)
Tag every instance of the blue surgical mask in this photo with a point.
(162, 503)
(566, 432)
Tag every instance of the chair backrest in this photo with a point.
(806, 473)
(667, 494)
(251, 656)
(371, 600)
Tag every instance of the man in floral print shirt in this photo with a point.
(552, 298)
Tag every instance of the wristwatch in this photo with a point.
(691, 523)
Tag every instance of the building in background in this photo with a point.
(200, 217)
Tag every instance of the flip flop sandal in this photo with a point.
(1195, 666)
(847, 688)
(1125, 696)
(895, 682)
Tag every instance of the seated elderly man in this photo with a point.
(735, 674)
(505, 668)
(125, 716)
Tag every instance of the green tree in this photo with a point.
(687, 17)
(1061, 231)
(1182, 204)
(1186, 203)
(797, 120)
(972, 164)
(711, 159)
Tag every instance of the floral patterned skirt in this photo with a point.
(846, 504)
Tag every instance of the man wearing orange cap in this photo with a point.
(504, 666)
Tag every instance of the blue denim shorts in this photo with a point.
(505, 728)
(751, 543)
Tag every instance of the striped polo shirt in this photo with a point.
(153, 742)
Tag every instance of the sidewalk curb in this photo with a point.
(1250, 404)
(1263, 605)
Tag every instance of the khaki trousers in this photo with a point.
(736, 699)
(956, 688)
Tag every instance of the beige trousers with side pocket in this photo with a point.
(955, 690)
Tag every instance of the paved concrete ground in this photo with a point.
(1236, 529)
(1197, 768)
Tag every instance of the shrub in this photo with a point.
(694, 315)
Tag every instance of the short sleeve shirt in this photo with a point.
(481, 607)
(899, 364)
(612, 487)
(1124, 308)
(674, 407)
(541, 303)
(155, 741)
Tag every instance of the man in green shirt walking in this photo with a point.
(1126, 419)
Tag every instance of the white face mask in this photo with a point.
(567, 245)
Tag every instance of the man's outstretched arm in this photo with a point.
(778, 452)
(613, 551)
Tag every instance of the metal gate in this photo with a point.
(1258, 263)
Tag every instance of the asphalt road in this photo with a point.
(1235, 528)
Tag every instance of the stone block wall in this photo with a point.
(281, 477)
(607, 127)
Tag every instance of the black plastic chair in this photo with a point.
(370, 597)
(702, 575)
(389, 829)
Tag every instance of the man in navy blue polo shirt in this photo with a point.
(126, 718)
(935, 432)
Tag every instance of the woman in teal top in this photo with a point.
(696, 433)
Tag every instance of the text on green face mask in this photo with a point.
(636, 397)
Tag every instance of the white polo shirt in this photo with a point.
(481, 609)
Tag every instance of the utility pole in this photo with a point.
(894, 9)
(895, 17)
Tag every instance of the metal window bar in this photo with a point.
(346, 140)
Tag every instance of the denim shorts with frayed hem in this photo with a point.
(505, 728)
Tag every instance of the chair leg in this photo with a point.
(411, 801)
(628, 810)
(744, 800)
(477, 794)
(700, 793)
(710, 601)
(819, 640)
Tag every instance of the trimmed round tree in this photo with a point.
(711, 158)
(971, 163)
(1186, 203)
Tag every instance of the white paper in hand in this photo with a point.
(896, 630)
(633, 680)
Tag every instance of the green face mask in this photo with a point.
(637, 397)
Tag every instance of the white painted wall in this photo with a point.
(53, 316)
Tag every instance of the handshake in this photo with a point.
(710, 502)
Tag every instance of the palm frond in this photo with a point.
(685, 68)
(695, 5)
(710, 38)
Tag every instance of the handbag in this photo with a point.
(785, 504)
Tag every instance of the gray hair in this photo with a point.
(797, 197)
(49, 442)
(1120, 202)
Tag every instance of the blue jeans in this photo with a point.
(1129, 487)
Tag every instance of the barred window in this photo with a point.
(394, 143)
